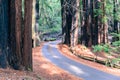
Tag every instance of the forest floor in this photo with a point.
(42, 70)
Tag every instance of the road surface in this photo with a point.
(50, 52)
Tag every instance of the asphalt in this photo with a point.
(50, 52)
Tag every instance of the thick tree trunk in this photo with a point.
(27, 44)
(96, 25)
(75, 23)
(15, 38)
(63, 15)
(66, 20)
(12, 51)
(3, 33)
(70, 18)
(87, 26)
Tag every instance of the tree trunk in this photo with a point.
(87, 26)
(15, 38)
(75, 23)
(105, 25)
(66, 20)
(94, 27)
(27, 43)
(3, 33)
(115, 8)
(102, 25)
(63, 15)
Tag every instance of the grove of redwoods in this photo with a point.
(88, 22)
(94, 18)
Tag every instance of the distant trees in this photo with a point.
(95, 19)
(116, 4)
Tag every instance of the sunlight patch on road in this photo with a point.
(56, 57)
(76, 69)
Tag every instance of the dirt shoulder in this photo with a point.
(42, 70)
(47, 70)
(65, 51)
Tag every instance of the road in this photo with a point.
(50, 52)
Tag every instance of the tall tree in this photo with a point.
(3, 33)
(66, 20)
(115, 9)
(87, 23)
(15, 49)
(102, 23)
(94, 26)
(15, 38)
(75, 22)
(27, 40)
(70, 18)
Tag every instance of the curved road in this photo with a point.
(50, 52)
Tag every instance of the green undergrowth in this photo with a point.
(110, 49)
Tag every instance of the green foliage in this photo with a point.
(102, 47)
(116, 35)
(50, 15)
(115, 61)
(98, 12)
(50, 39)
(97, 48)
(116, 44)
(106, 48)
(104, 19)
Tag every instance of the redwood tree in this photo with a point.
(66, 20)
(15, 46)
(4, 33)
(94, 26)
(70, 17)
(27, 40)
(87, 23)
(75, 22)
(15, 38)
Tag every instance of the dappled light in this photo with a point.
(77, 70)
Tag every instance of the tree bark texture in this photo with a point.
(87, 24)
(15, 46)
(66, 20)
(3, 33)
(75, 22)
(102, 25)
(70, 18)
(15, 38)
(27, 42)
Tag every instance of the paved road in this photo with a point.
(50, 52)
